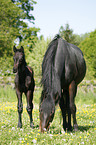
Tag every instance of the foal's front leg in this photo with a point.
(19, 107)
(29, 108)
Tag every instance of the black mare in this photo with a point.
(63, 68)
(24, 83)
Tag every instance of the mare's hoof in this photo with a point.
(67, 127)
(19, 125)
(75, 127)
(70, 128)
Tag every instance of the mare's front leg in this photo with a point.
(29, 108)
(19, 107)
(72, 94)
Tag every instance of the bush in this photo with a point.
(35, 58)
(88, 46)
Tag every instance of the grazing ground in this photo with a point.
(10, 134)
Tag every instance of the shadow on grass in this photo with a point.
(55, 130)
(85, 128)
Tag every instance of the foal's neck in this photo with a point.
(22, 68)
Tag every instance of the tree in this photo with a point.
(67, 33)
(29, 38)
(88, 46)
(26, 6)
(12, 24)
(8, 29)
(70, 37)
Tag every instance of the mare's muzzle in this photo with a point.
(45, 120)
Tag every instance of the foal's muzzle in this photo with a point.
(14, 70)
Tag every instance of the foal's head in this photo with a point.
(47, 110)
(19, 58)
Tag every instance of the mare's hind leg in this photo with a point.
(29, 108)
(19, 107)
(72, 94)
(63, 109)
(68, 111)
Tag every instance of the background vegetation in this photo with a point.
(14, 30)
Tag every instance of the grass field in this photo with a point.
(10, 134)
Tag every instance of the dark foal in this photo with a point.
(24, 83)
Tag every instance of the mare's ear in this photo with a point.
(14, 48)
(22, 49)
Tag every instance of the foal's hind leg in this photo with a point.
(29, 108)
(63, 109)
(19, 107)
(72, 94)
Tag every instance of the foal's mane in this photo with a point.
(48, 66)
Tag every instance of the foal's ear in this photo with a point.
(22, 49)
(14, 48)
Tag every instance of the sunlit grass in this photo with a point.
(10, 134)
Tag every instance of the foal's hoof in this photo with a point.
(75, 127)
(32, 125)
(19, 125)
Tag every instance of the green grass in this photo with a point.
(10, 134)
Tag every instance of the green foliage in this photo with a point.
(35, 58)
(70, 37)
(12, 24)
(29, 38)
(88, 46)
(8, 29)
(26, 6)
(66, 33)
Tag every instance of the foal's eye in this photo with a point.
(13, 58)
(41, 110)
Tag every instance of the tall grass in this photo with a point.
(10, 134)
(85, 96)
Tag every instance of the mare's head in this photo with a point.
(19, 58)
(47, 110)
